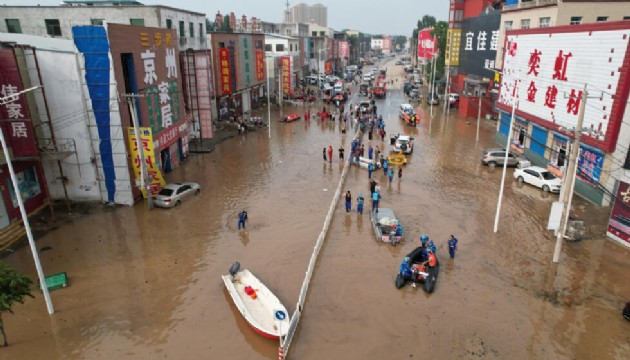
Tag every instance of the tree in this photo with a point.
(427, 21)
(440, 31)
(13, 288)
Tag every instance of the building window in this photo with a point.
(200, 30)
(602, 18)
(169, 23)
(136, 22)
(313, 33)
(97, 21)
(191, 30)
(451, 14)
(545, 21)
(182, 30)
(525, 24)
(459, 15)
(13, 26)
(322, 33)
(508, 25)
(279, 47)
(626, 17)
(52, 27)
(575, 20)
(268, 47)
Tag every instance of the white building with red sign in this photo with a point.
(545, 71)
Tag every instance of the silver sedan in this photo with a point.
(173, 194)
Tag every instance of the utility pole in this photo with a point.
(432, 92)
(505, 161)
(268, 99)
(571, 171)
(280, 89)
(18, 196)
(478, 116)
(144, 176)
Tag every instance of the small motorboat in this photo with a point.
(397, 159)
(365, 162)
(386, 227)
(290, 117)
(258, 305)
(412, 269)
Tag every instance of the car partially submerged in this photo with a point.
(173, 194)
(540, 177)
(386, 226)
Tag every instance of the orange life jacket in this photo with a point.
(432, 260)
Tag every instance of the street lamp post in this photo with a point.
(268, 98)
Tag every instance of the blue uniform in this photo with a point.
(370, 152)
(431, 246)
(405, 269)
(375, 197)
(242, 217)
(452, 247)
(370, 169)
(360, 202)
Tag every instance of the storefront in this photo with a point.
(17, 127)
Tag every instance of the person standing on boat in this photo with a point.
(452, 246)
(348, 201)
(360, 201)
(242, 218)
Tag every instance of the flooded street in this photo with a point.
(146, 284)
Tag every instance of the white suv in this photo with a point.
(404, 144)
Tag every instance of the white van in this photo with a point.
(338, 88)
(367, 77)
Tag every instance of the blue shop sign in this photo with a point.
(590, 165)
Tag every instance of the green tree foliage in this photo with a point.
(427, 21)
(440, 31)
(13, 288)
(400, 40)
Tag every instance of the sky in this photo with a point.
(369, 16)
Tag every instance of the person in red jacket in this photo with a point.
(330, 152)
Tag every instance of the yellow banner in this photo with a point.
(156, 182)
(453, 41)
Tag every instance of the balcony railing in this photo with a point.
(530, 4)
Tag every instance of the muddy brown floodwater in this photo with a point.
(146, 284)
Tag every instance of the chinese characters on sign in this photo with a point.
(224, 65)
(285, 63)
(619, 222)
(453, 42)
(479, 44)
(14, 115)
(343, 49)
(146, 141)
(590, 165)
(246, 59)
(328, 67)
(260, 65)
(550, 70)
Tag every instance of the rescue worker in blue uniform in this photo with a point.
(452, 246)
(424, 238)
(242, 218)
(431, 246)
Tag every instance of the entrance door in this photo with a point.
(4, 217)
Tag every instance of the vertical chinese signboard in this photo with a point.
(245, 60)
(285, 63)
(547, 68)
(343, 49)
(619, 222)
(153, 171)
(453, 42)
(328, 67)
(481, 35)
(14, 114)
(226, 77)
(427, 46)
(260, 65)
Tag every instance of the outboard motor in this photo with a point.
(234, 269)
(392, 237)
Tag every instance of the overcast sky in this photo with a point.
(394, 17)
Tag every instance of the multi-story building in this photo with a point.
(309, 14)
(544, 74)
(57, 21)
(280, 48)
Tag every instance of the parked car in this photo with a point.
(408, 87)
(540, 177)
(173, 194)
(433, 99)
(453, 100)
(404, 144)
(494, 157)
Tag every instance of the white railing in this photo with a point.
(530, 4)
